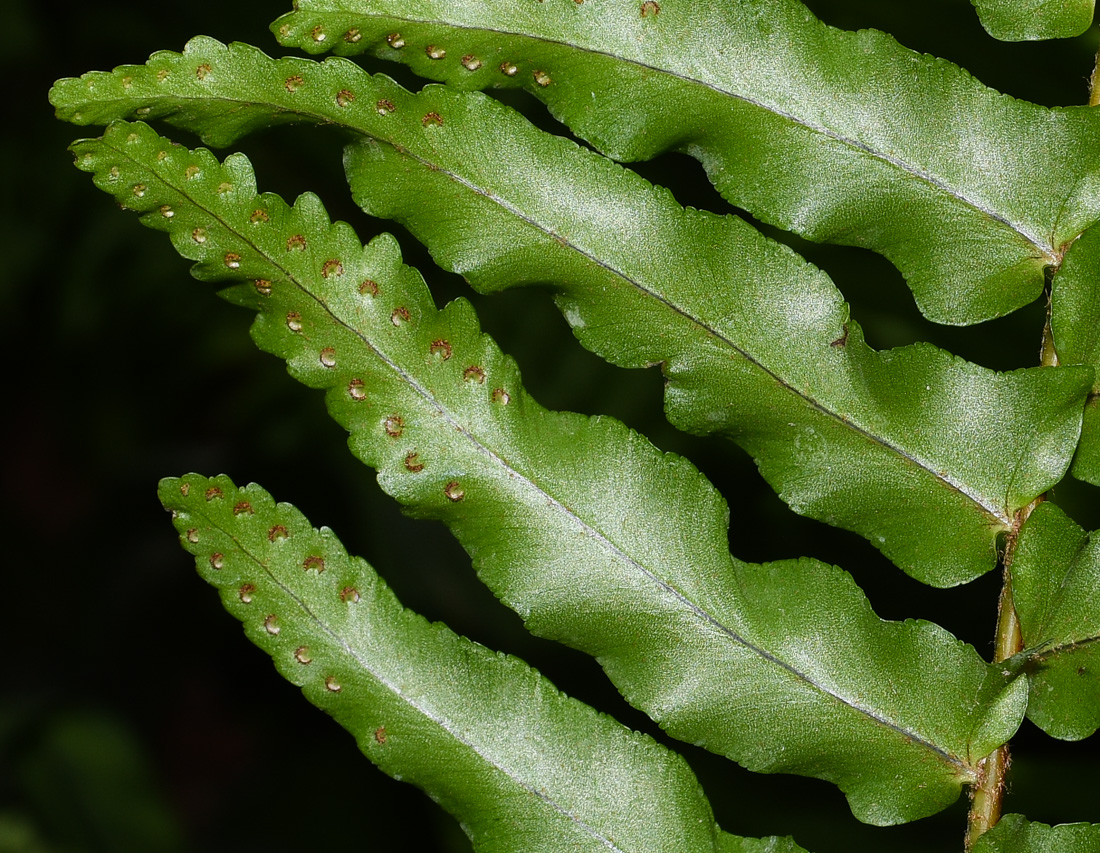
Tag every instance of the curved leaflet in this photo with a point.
(782, 667)
(520, 765)
(1056, 587)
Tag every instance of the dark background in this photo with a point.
(134, 716)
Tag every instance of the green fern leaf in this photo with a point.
(519, 764)
(1029, 20)
(595, 537)
(1075, 326)
(1056, 588)
(842, 137)
(756, 343)
(1015, 834)
(735, 844)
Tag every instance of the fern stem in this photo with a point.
(985, 806)
(988, 794)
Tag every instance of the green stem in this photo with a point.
(988, 795)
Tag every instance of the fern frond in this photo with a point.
(756, 343)
(594, 536)
(842, 137)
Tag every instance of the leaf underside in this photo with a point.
(1031, 20)
(1056, 588)
(842, 137)
(756, 343)
(595, 537)
(520, 765)
(1015, 834)
(1075, 326)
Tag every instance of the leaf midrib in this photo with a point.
(515, 475)
(1047, 252)
(1055, 651)
(1058, 596)
(993, 511)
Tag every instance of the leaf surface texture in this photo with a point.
(1056, 587)
(1030, 20)
(1015, 834)
(1075, 325)
(594, 536)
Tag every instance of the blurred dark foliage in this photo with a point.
(134, 715)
